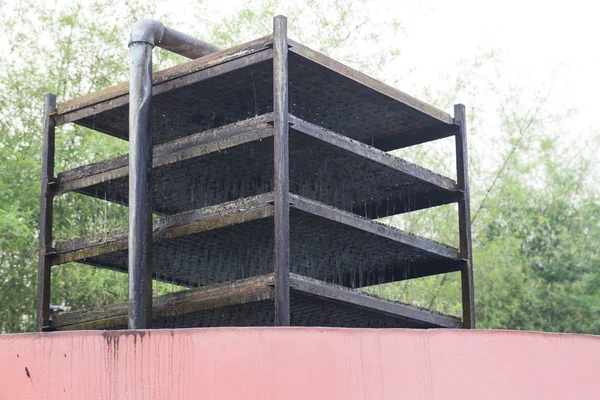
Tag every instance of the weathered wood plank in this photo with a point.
(182, 149)
(373, 154)
(350, 219)
(464, 218)
(163, 87)
(353, 298)
(194, 221)
(281, 171)
(370, 82)
(168, 74)
(46, 211)
(243, 291)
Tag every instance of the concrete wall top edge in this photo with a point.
(299, 363)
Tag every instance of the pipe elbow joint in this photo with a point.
(147, 31)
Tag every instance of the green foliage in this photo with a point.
(335, 28)
(537, 247)
(81, 50)
(535, 220)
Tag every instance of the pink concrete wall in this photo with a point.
(299, 364)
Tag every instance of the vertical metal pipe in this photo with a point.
(464, 217)
(281, 168)
(140, 189)
(46, 200)
(144, 36)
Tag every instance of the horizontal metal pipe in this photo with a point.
(155, 33)
(185, 45)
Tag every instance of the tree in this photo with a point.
(84, 52)
(538, 235)
(535, 228)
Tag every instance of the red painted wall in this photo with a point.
(278, 363)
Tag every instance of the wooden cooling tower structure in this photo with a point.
(270, 168)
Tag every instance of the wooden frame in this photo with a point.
(276, 204)
(281, 171)
(464, 218)
(247, 291)
(46, 214)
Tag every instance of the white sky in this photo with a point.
(539, 39)
(542, 42)
(543, 45)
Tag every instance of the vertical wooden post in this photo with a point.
(464, 217)
(281, 168)
(46, 200)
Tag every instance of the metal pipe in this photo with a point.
(155, 33)
(145, 35)
(140, 196)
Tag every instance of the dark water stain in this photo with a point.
(112, 339)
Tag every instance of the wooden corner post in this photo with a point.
(46, 200)
(464, 217)
(281, 171)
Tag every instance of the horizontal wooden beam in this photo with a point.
(163, 87)
(243, 291)
(370, 303)
(415, 137)
(205, 219)
(376, 228)
(178, 71)
(373, 154)
(195, 145)
(395, 94)
(400, 273)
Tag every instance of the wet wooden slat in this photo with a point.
(168, 153)
(353, 298)
(464, 218)
(365, 80)
(46, 211)
(379, 229)
(178, 303)
(373, 154)
(281, 171)
(178, 71)
(195, 221)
